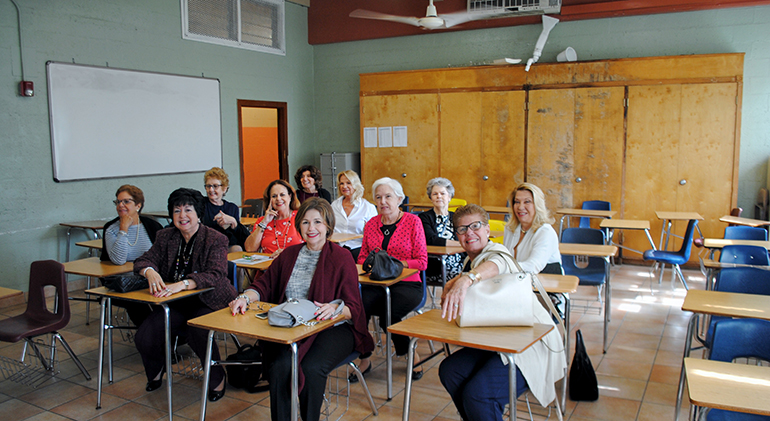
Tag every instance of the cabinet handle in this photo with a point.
(682, 182)
(577, 180)
(485, 178)
(403, 175)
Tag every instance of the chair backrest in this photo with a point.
(747, 255)
(741, 338)
(582, 236)
(687, 239)
(43, 273)
(405, 204)
(592, 271)
(743, 281)
(253, 208)
(593, 205)
(419, 307)
(738, 232)
(232, 275)
(497, 225)
(456, 203)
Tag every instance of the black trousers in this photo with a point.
(330, 348)
(404, 297)
(151, 343)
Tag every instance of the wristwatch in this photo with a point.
(186, 283)
(475, 277)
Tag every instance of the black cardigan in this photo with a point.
(432, 238)
(150, 225)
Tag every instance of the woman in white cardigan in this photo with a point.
(477, 380)
(351, 210)
(529, 235)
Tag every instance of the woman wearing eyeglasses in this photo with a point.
(127, 237)
(221, 214)
(477, 380)
(529, 235)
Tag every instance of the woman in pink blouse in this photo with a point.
(402, 236)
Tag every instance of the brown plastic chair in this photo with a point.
(37, 320)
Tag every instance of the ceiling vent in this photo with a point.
(516, 7)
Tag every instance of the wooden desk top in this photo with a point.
(718, 243)
(92, 225)
(143, 295)
(678, 216)
(629, 224)
(363, 278)
(737, 220)
(248, 325)
(559, 284)
(157, 214)
(440, 251)
(713, 264)
(727, 304)
(586, 212)
(489, 209)
(93, 266)
(233, 256)
(431, 326)
(728, 386)
(339, 237)
(593, 250)
(8, 292)
(92, 244)
(248, 220)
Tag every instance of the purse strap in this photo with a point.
(547, 300)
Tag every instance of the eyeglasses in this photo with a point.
(124, 202)
(212, 186)
(475, 226)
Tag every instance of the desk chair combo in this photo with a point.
(675, 258)
(585, 222)
(35, 322)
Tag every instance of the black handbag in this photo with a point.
(124, 283)
(247, 376)
(381, 266)
(582, 378)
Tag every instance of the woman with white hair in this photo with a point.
(439, 230)
(529, 235)
(351, 210)
(401, 235)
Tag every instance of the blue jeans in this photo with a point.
(477, 381)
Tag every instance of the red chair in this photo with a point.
(38, 320)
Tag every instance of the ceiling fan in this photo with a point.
(431, 20)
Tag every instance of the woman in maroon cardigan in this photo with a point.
(402, 236)
(323, 272)
(189, 255)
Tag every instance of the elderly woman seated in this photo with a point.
(477, 380)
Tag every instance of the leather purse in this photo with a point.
(295, 312)
(504, 300)
(382, 266)
(125, 282)
(583, 385)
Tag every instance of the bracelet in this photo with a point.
(262, 225)
(245, 297)
(144, 272)
(123, 233)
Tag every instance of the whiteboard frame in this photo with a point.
(93, 115)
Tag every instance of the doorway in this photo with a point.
(263, 138)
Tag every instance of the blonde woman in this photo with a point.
(529, 234)
(351, 210)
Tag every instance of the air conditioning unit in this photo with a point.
(516, 7)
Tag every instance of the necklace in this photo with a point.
(284, 233)
(183, 258)
(523, 231)
(386, 228)
(136, 240)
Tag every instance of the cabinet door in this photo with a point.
(575, 145)
(413, 165)
(482, 144)
(680, 156)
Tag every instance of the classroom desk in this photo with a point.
(719, 243)
(92, 245)
(712, 267)
(595, 250)
(626, 224)
(732, 387)
(159, 215)
(236, 257)
(737, 220)
(8, 293)
(582, 213)
(442, 252)
(94, 267)
(248, 220)
(140, 296)
(252, 327)
(504, 210)
(94, 226)
(363, 279)
(718, 303)
(506, 340)
(339, 237)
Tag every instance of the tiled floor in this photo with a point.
(637, 377)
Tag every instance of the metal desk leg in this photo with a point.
(294, 382)
(206, 374)
(687, 345)
(389, 355)
(101, 353)
(511, 386)
(69, 235)
(109, 340)
(168, 359)
(567, 306)
(408, 389)
(561, 225)
(607, 304)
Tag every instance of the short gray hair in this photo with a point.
(441, 182)
(393, 184)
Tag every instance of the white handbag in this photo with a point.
(504, 300)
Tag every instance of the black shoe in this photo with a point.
(153, 385)
(417, 375)
(354, 379)
(215, 396)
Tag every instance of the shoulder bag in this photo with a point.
(583, 385)
(124, 283)
(246, 371)
(382, 266)
(295, 312)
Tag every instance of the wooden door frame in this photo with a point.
(283, 134)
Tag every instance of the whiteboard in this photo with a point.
(108, 122)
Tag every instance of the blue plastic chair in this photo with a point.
(594, 273)
(746, 255)
(676, 258)
(739, 232)
(742, 281)
(585, 222)
(739, 338)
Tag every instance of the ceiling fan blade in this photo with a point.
(367, 14)
(452, 19)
